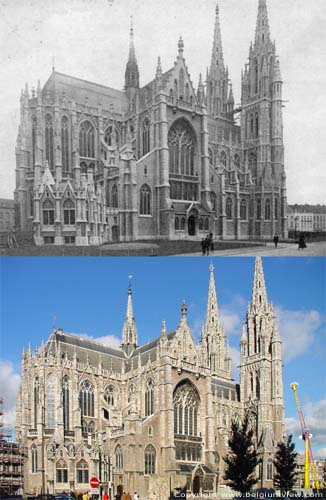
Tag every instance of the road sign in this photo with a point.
(95, 491)
(94, 482)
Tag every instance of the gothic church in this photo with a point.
(150, 417)
(159, 161)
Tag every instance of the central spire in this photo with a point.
(217, 62)
(131, 73)
(129, 332)
(212, 317)
(259, 293)
(262, 26)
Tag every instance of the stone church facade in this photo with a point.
(160, 161)
(149, 417)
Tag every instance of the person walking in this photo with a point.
(136, 496)
(105, 496)
(275, 239)
(302, 243)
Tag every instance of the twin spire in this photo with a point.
(129, 332)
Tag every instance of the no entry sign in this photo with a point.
(94, 482)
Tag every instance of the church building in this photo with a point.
(151, 417)
(163, 160)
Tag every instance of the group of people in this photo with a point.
(301, 242)
(126, 496)
(207, 244)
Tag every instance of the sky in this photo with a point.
(89, 39)
(88, 296)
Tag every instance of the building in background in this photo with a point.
(160, 161)
(149, 417)
(307, 218)
(7, 219)
(12, 457)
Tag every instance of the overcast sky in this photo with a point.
(89, 39)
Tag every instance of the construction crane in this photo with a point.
(309, 459)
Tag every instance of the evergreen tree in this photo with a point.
(285, 463)
(242, 459)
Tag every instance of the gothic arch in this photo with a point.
(182, 144)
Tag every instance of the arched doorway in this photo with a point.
(196, 485)
(115, 233)
(192, 225)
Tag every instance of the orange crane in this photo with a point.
(309, 459)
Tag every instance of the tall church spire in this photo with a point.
(212, 316)
(131, 73)
(217, 61)
(259, 294)
(129, 332)
(262, 26)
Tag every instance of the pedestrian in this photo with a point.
(275, 239)
(302, 243)
(105, 496)
(203, 246)
(211, 242)
(124, 496)
(136, 496)
(128, 496)
(207, 244)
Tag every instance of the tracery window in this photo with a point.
(149, 398)
(86, 399)
(34, 459)
(268, 209)
(65, 401)
(243, 210)
(146, 136)
(88, 427)
(109, 395)
(269, 475)
(145, 200)
(223, 158)
(111, 136)
(176, 224)
(50, 401)
(87, 140)
(228, 208)
(150, 458)
(114, 196)
(69, 212)
(49, 141)
(48, 213)
(62, 472)
(65, 144)
(206, 225)
(200, 224)
(181, 149)
(36, 399)
(186, 406)
(119, 457)
(183, 224)
(82, 472)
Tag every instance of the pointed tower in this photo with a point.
(131, 73)
(261, 371)
(214, 343)
(129, 332)
(217, 78)
(262, 131)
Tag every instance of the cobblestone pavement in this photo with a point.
(283, 250)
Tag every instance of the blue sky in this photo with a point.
(88, 296)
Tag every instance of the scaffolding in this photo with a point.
(12, 456)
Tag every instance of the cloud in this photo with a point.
(297, 330)
(107, 340)
(315, 418)
(320, 453)
(235, 358)
(233, 314)
(10, 381)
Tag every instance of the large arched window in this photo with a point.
(65, 144)
(86, 140)
(149, 398)
(186, 406)
(146, 136)
(50, 401)
(145, 200)
(34, 131)
(181, 143)
(82, 472)
(114, 196)
(109, 395)
(69, 212)
(111, 136)
(34, 459)
(268, 209)
(49, 141)
(86, 399)
(150, 459)
(36, 400)
(65, 401)
(48, 213)
(228, 209)
(119, 457)
(243, 210)
(62, 472)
